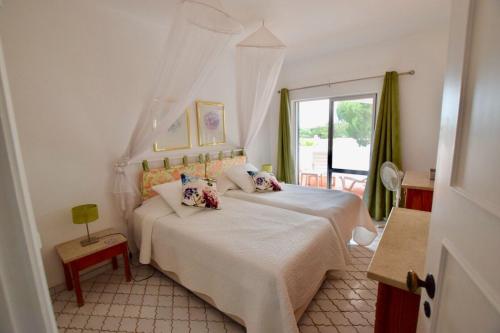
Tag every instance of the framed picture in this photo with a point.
(178, 136)
(210, 120)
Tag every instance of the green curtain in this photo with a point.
(385, 148)
(286, 167)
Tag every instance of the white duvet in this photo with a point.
(346, 211)
(256, 262)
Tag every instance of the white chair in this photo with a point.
(353, 181)
(308, 176)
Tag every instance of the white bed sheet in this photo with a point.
(346, 211)
(145, 216)
(256, 262)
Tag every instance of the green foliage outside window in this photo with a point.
(354, 121)
(320, 131)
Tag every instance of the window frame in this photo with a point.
(330, 170)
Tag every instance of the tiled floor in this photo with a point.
(345, 303)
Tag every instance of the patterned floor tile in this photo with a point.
(345, 303)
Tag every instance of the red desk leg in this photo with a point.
(67, 277)
(128, 273)
(76, 283)
(397, 310)
(114, 262)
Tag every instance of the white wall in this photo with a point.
(420, 94)
(80, 71)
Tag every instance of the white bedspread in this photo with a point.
(145, 217)
(256, 262)
(346, 211)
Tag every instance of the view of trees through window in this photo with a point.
(354, 121)
(351, 142)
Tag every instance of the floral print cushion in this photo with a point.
(161, 176)
(199, 192)
(265, 181)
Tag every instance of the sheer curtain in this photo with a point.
(200, 32)
(258, 65)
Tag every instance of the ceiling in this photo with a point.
(313, 27)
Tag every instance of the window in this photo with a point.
(334, 141)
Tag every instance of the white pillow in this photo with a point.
(155, 205)
(240, 176)
(172, 194)
(225, 184)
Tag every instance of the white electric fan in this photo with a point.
(391, 178)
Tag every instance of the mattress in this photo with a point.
(256, 262)
(346, 211)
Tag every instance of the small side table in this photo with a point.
(76, 257)
(419, 190)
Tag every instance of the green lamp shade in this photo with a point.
(85, 213)
(267, 168)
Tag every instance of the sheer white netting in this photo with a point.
(258, 65)
(200, 32)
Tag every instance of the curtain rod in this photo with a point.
(412, 72)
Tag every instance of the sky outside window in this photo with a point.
(313, 113)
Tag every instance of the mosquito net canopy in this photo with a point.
(258, 65)
(200, 32)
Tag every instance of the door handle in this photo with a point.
(413, 282)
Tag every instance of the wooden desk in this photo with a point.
(418, 190)
(76, 257)
(402, 248)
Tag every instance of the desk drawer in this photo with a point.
(419, 199)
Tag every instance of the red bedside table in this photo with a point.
(76, 257)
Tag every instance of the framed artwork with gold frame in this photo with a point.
(178, 135)
(211, 124)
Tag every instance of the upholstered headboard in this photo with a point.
(205, 168)
(158, 176)
(216, 167)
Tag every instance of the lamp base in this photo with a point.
(88, 241)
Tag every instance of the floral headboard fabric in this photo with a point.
(161, 175)
(217, 167)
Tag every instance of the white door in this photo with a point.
(463, 252)
(24, 296)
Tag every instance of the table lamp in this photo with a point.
(267, 168)
(85, 214)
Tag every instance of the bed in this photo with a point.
(346, 211)
(259, 264)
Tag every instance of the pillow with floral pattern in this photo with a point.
(199, 192)
(265, 181)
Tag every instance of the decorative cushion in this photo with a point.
(172, 194)
(160, 176)
(265, 181)
(199, 192)
(239, 175)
